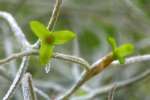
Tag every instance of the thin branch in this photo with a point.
(135, 59)
(75, 68)
(118, 85)
(20, 36)
(55, 15)
(96, 68)
(17, 79)
(27, 87)
(74, 59)
(17, 55)
(41, 93)
(15, 28)
(53, 19)
(111, 94)
(8, 45)
(55, 55)
(86, 75)
(54, 86)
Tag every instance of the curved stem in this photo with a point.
(17, 79)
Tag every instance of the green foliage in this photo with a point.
(62, 37)
(121, 52)
(49, 39)
(39, 29)
(112, 42)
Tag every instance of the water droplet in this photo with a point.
(48, 67)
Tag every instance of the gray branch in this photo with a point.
(41, 93)
(28, 88)
(118, 85)
(15, 28)
(17, 79)
(55, 55)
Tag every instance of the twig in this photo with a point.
(44, 95)
(15, 28)
(54, 86)
(55, 55)
(61, 56)
(52, 21)
(135, 59)
(75, 68)
(118, 85)
(86, 75)
(55, 15)
(20, 35)
(111, 94)
(27, 87)
(78, 60)
(17, 55)
(74, 59)
(97, 67)
(8, 46)
(17, 79)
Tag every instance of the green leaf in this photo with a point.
(39, 29)
(112, 42)
(46, 51)
(124, 50)
(121, 60)
(121, 52)
(62, 37)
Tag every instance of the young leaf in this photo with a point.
(49, 39)
(46, 51)
(121, 60)
(62, 37)
(39, 29)
(112, 42)
(124, 50)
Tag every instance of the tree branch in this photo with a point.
(55, 55)
(111, 94)
(44, 95)
(17, 55)
(55, 15)
(17, 79)
(97, 67)
(54, 86)
(74, 59)
(27, 87)
(15, 28)
(118, 85)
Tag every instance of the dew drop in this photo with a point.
(48, 67)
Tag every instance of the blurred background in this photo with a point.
(93, 21)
